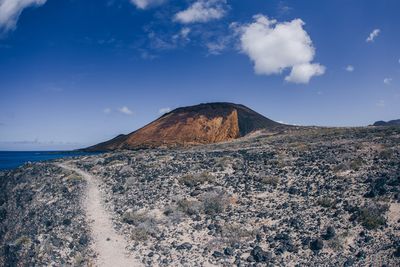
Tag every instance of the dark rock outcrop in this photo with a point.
(387, 123)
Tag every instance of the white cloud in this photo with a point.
(387, 81)
(202, 11)
(215, 48)
(274, 47)
(143, 4)
(283, 8)
(10, 10)
(164, 110)
(381, 103)
(161, 41)
(350, 68)
(184, 34)
(302, 73)
(218, 44)
(373, 35)
(125, 110)
(107, 110)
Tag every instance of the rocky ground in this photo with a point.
(313, 197)
(41, 218)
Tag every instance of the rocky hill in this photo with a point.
(200, 124)
(387, 123)
(310, 197)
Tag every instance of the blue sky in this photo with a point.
(73, 73)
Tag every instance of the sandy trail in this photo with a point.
(107, 243)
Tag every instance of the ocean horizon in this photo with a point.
(13, 159)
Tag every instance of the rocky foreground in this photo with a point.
(308, 197)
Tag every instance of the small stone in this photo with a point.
(250, 259)
(66, 221)
(228, 251)
(84, 240)
(3, 214)
(330, 233)
(349, 262)
(260, 255)
(316, 244)
(360, 254)
(217, 254)
(397, 252)
(185, 245)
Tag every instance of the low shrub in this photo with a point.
(326, 202)
(192, 180)
(270, 180)
(386, 154)
(356, 164)
(22, 240)
(235, 233)
(79, 260)
(214, 203)
(134, 217)
(140, 234)
(190, 207)
(74, 178)
(372, 216)
(337, 243)
(130, 181)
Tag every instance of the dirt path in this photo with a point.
(107, 243)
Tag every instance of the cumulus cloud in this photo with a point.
(164, 110)
(274, 47)
(302, 73)
(350, 68)
(373, 35)
(125, 110)
(10, 10)
(202, 11)
(144, 4)
(107, 110)
(387, 81)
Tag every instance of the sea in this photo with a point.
(13, 159)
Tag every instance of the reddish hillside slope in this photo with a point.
(200, 124)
